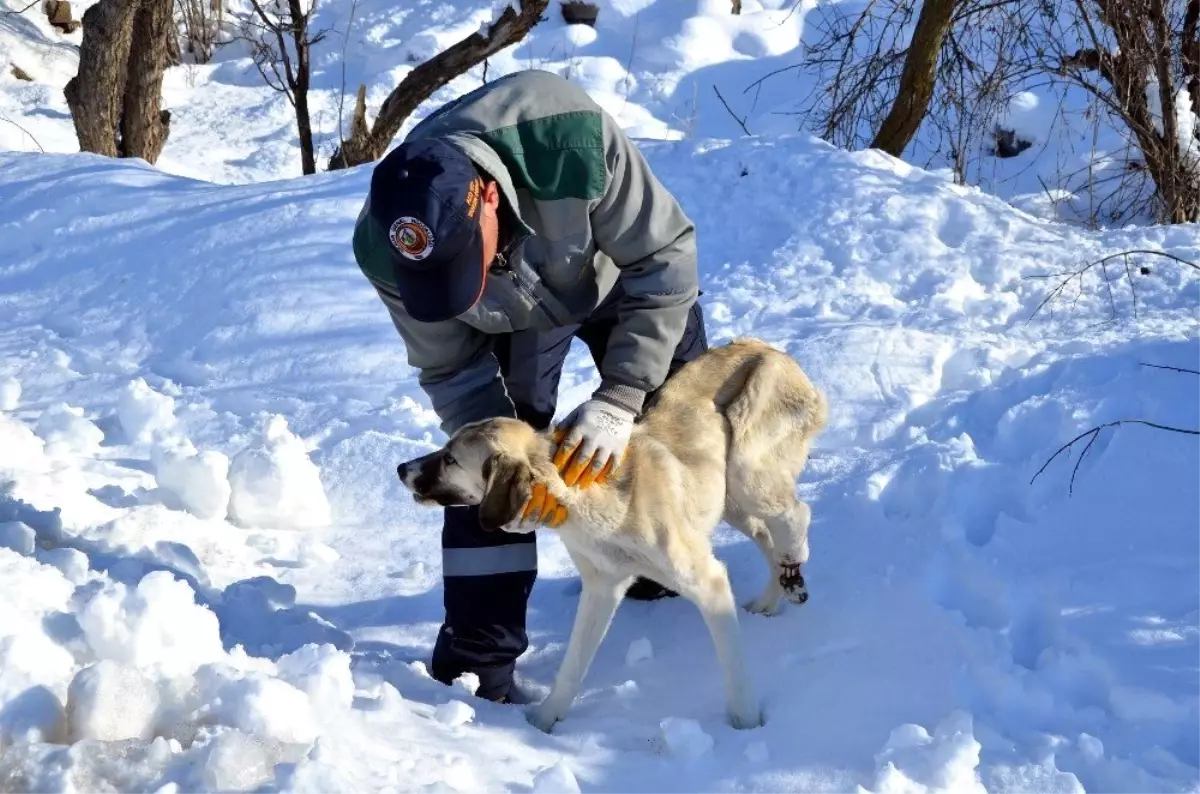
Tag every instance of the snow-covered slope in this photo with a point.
(651, 63)
(665, 69)
(216, 582)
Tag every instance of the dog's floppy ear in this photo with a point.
(509, 484)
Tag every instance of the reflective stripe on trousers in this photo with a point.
(488, 560)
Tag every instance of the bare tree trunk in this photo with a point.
(144, 125)
(419, 84)
(1190, 53)
(917, 79)
(94, 94)
(300, 83)
(174, 56)
(1142, 35)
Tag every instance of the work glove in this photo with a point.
(592, 442)
(543, 508)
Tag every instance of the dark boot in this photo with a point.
(648, 590)
(486, 579)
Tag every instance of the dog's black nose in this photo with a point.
(401, 471)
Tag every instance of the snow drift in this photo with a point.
(212, 580)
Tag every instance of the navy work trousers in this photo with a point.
(487, 576)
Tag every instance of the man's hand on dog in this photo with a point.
(542, 508)
(592, 442)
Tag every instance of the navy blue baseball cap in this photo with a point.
(426, 195)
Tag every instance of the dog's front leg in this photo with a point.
(597, 604)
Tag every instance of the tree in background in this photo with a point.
(281, 39)
(1140, 60)
(897, 66)
(369, 143)
(116, 96)
(917, 78)
(201, 22)
(887, 71)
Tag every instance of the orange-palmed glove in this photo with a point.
(592, 442)
(543, 508)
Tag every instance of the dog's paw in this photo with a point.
(798, 596)
(792, 582)
(763, 605)
(746, 720)
(543, 717)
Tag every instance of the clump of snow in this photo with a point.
(111, 701)
(19, 446)
(275, 484)
(684, 738)
(913, 761)
(556, 779)
(254, 702)
(143, 412)
(72, 563)
(757, 753)
(640, 650)
(35, 715)
(237, 761)
(67, 431)
(414, 572)
(454, 713)
(10, 394)
(322, 671)
(18, 537)
(198, 480)
(468, 682)
(156, 627)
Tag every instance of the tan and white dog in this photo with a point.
(726, 438)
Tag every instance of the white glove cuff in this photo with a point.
(631, 398)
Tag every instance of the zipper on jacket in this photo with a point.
(521, 287)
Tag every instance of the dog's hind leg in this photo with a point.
(709, 590)
(770, 498)
(789, 534)
(757, 530)
(597, 604)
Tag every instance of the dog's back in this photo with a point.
(766, 405)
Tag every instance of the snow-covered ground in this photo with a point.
(211, 579)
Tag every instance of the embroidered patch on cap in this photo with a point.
(473, 191)
(411, 238)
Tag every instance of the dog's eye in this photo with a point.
(449, 460)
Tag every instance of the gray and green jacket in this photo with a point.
(591, 217)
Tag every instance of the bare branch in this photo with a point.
(421, 82)
(741, 122)
(4, 117)
(11, 12)
(1073, 275)
(1172, 369)
(1093, 433)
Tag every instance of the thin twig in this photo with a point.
(4, 117)
(21, 10)
(1078, 274)
(342, 91)
(1173, 369)
(769, 75)
(741, 122)
(1094, 433)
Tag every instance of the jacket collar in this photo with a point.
(486, 158)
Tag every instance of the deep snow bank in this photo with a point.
(966, 628)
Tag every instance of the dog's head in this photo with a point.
(484, 463)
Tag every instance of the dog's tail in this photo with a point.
(777, 404)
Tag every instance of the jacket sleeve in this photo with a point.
(642, 228)
(456, 366)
